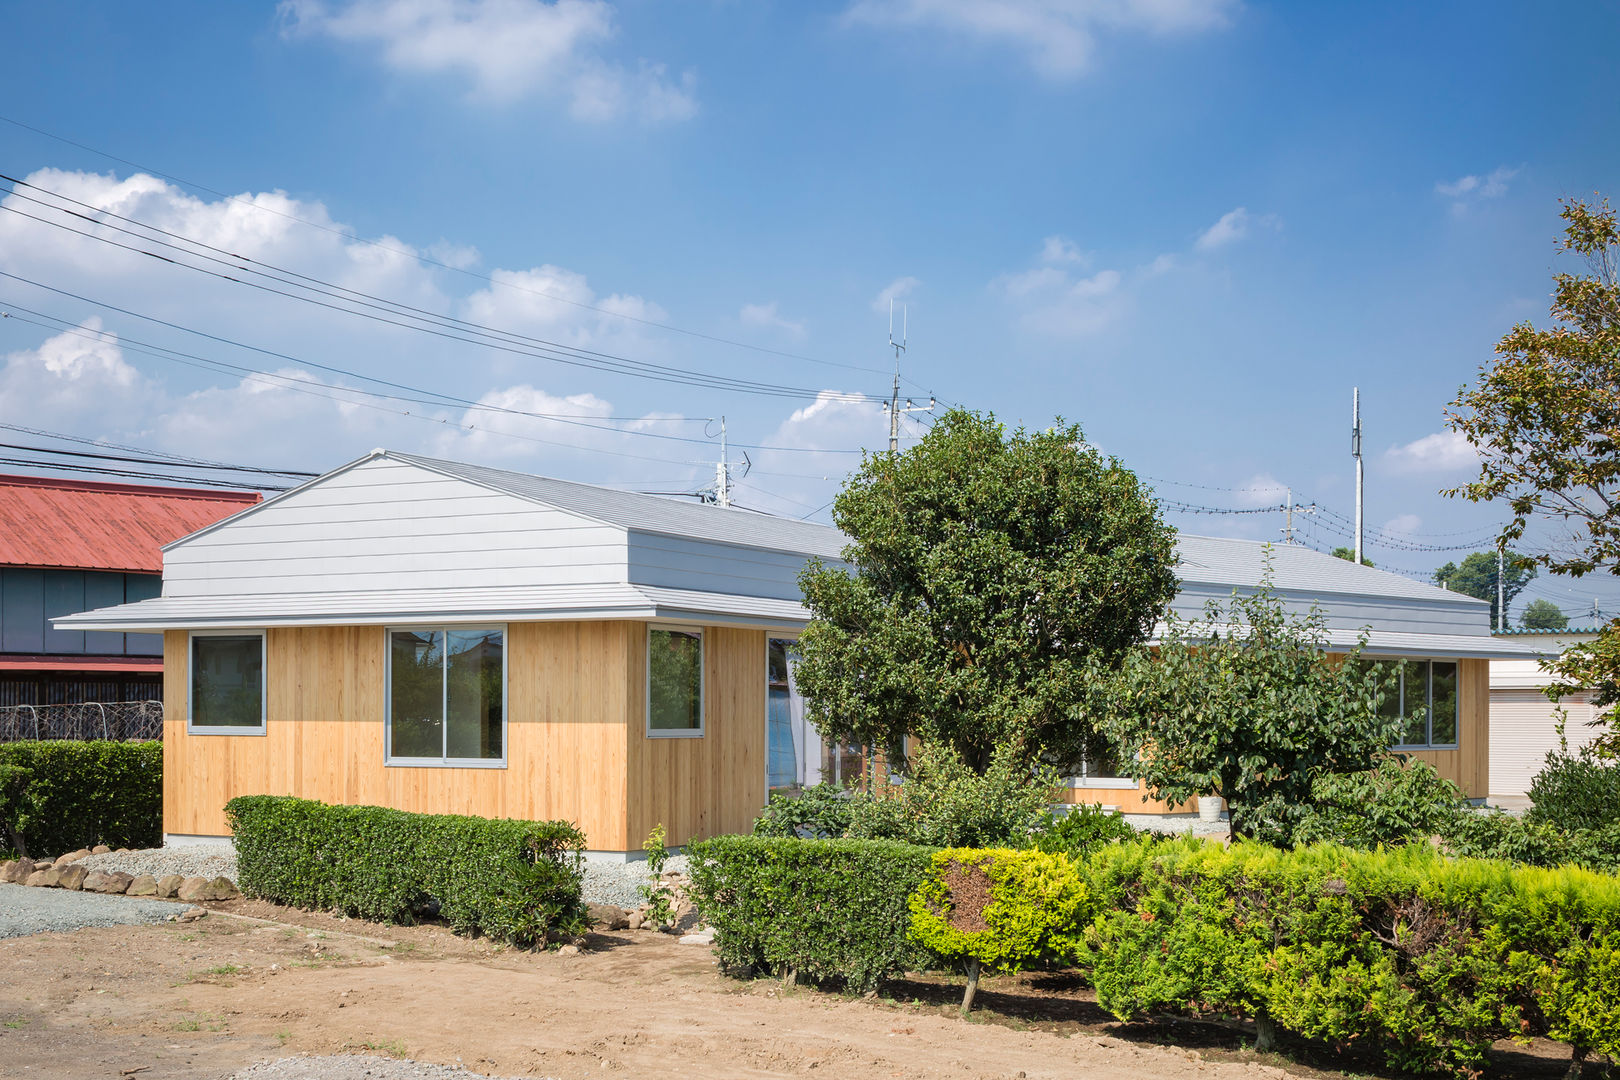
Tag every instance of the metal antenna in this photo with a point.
(722, 471)
(892, 406)
(1355, 451)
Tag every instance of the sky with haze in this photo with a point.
(1191, 226)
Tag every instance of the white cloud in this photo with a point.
(767, 316)
(1059, 37)
(506, 50)
(1059, 250)
(1260, 490)
(70, 379)
(1466, 190)
(555, 304)
(1444, 451)
(1233, 226)
(1402, 525)
(894, 291)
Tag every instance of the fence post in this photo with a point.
(35, 713)
(102, 709)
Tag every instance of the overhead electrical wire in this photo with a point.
(128, 459)
(428, 260)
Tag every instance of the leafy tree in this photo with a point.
(1545, 420)
(1543, 615)
(989, 576)
(1248, 704)
(1349, 555)
(1476, 577)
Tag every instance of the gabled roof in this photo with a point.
(1210, 560)
(88, 525)
(649, 513)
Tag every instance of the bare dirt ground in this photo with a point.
(253, 981)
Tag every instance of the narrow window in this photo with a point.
(674, 682)
(227, 684)
(446, 696)
(1415, 701)
(1443, 704)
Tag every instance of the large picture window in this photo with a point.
(1427, 698)
(227, 684)
(674, 682)
(447, 696)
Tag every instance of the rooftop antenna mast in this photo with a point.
(720, 490)
(1355, 452)
(893, 406)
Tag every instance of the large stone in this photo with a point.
(47, 878)
(192, 889)
(221, 888)
(100, 849)
(17, 870)
(168, 886)
(113, 881)
(73, 877)
(144, 885)
(72, 857)
(608, 917)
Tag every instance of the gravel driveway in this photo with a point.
(355, 1067)
(25, 910)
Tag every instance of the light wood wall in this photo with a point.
(1468, 766)
(577, 745)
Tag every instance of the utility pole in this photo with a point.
(1289, 506)
(1501, 588)
(1355, 451)
(893, 406)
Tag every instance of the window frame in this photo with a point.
(193, 728)
(1428, 742)
(392, 762)
(703, 682)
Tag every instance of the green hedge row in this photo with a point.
(1420, 958)
(831, 911)
(60, 795)
(513, 881)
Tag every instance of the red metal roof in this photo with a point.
(147, 664)
(89, 525)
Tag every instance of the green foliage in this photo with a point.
(943, 803)
(1508, 837)
(1576, 791)
(657, 894)
(1395, 802)
(1476, 577)
(60, 795)
(1247, 704)
(1082, 830)
(1349, 555)
(1543, 614)
(1592, 667)
(991, 573)
(516, 882)
(830, 911)
(1004, 909)
(1544, 417)
(1426, 959)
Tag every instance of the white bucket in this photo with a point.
(1210, 807)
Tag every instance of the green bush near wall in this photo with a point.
(829, 911)
(516, 882)
(60, 795)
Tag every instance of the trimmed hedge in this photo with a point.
(831, 911)
(1426, 959)
(513, 881)
(62, 794)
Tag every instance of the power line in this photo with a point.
(108, 471)
(155, 461)
(428, 260)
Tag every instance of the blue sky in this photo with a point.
(1190, 225)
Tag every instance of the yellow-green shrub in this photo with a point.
(998, 908)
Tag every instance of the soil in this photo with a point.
(253, 981)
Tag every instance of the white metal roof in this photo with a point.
(1242, 563)
(465, 606)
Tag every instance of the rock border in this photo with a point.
(63, 873)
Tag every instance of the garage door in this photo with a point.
(1523, 730)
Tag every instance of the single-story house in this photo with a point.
(1524, 723)
(450, 638)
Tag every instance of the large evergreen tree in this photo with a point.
(988, 574)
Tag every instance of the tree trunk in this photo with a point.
(1577, 1059)
(790, 976)
(1265, 1032)
(972, 985)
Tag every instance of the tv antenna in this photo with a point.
(719, 492)
(893, 406)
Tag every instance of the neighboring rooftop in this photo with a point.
(1212, 560)
(1516, 631)
(89, 525)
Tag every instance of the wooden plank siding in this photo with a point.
(1468, 766)
(577, 746)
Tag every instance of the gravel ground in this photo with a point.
(1182, 823)
(356, 1067)
(200, 860)
(25, 911)
(618, 883)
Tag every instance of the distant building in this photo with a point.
(68, 545)
(1524, 723)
